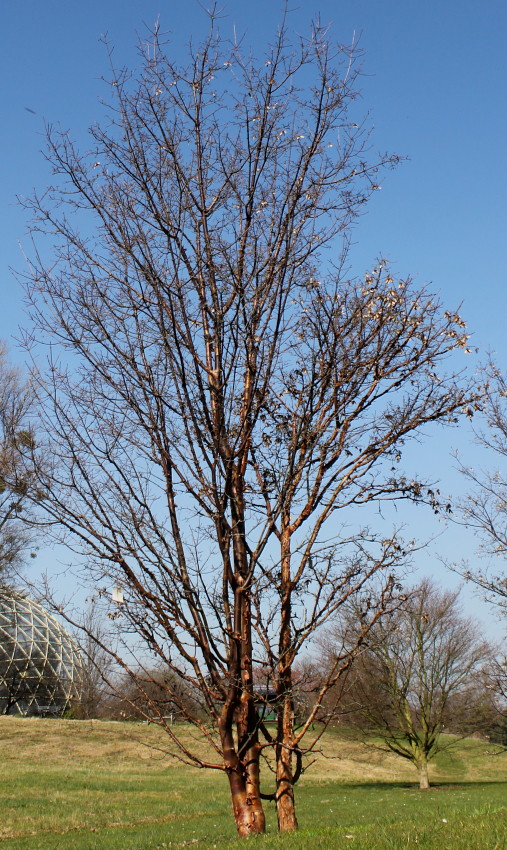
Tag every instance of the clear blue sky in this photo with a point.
(436, 86)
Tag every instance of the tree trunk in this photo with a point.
(284, 796)
(285, 805)
(249, 756)
(241, 760)
(424, 782)
(247, 807)
(243, 782)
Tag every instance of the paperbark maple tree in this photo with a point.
(218, 388)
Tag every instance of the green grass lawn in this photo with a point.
(86, 785)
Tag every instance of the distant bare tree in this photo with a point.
(485, 507)
(494, 698)
(15, 477)
(418, 674)
(96, 666)
(484, 510)
(154, 694)
(219, 392)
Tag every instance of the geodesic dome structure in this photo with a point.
(41, 669)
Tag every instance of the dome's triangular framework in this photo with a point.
(41, 669)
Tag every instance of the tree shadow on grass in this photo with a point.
(407, 786)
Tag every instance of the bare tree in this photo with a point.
(15, 477)
(485, 508)
(496, 688)
(96, 666)
(417, 675)
(148, 694)
(218, 388)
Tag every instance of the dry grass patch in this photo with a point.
(140, 746)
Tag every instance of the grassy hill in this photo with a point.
(82, 785)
